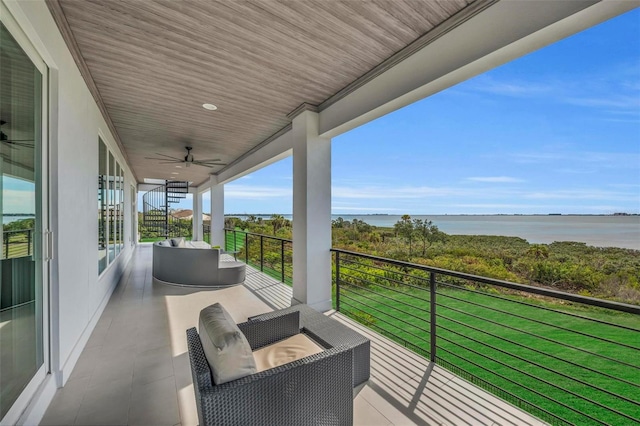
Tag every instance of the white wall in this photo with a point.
(78, 295)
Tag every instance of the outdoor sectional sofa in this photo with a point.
(194, 263)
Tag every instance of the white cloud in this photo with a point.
(581, 194)
(407, 192)
(255, 192)
(495, 179)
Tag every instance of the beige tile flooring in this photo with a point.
(135, 368)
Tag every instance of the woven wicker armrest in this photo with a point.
(263, 332)
(199, 365)
(313, 390)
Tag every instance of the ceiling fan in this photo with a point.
(13, 143)
(188, 160)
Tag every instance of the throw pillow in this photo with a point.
(164, 243)
(227, 350)
(177, 242)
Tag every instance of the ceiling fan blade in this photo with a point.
(211, 160)
(203, 164)
(168, 156)
(175, 160)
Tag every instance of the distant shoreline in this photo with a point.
(440, 214)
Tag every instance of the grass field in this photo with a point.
(565, 363)
(547, 358)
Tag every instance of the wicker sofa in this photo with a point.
(316, 389)
(194, 263)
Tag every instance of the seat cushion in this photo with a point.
(285, 351)
(227, 350)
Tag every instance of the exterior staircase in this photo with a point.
(156, 215)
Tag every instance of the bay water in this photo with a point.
(600, 231)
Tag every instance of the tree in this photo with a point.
(429, 233)
(404, 228)
(277, 222)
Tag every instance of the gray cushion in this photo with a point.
(177, 242)
(225, 347)
(164, 243)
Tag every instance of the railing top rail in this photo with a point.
(259, 235)
(13, 231)
(591, 301)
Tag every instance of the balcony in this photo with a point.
(135, 370)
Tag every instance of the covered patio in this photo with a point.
(135, 367)
(130, 86)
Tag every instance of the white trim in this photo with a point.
(9, 10)
(65, 370)
(25, 401)
(39, 403)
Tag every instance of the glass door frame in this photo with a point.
(42, 209)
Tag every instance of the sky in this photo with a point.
(555, 131)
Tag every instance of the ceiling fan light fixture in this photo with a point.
(210, 107)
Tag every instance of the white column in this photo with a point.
(197, 216)
(217, 213)
(311, 213)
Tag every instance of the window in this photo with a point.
(110, 207)
(102, 206)
(134, 237)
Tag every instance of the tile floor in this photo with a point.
(135, 369)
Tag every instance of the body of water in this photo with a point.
(599, 231)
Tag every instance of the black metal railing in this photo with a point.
(271, 255)
(18, 243)
(565, 358)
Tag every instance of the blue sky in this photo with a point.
(556, 131)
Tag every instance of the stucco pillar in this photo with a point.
(311, 213)
(197, 234)
(217, 213)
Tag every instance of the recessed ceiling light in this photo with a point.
(175, 173)
(210, 107)
(178, 167)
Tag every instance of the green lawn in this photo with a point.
(516, 350)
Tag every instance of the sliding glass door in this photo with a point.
(22, 221)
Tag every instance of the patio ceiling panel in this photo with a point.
(154, 63)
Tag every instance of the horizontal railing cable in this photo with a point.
(512, 382)
(602, 339)
(623, 307)
(425, 279)
(504, 339)
(531, 375)
(387, 322)
(425, 290)
(384, 304)
(519, 302)
(545, 353)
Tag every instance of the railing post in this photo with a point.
(246, 248)
(29, 242)
(282, 258)
(6, 246)
(338, 281)
(235, 241)
(261, 253)
(432, 310)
